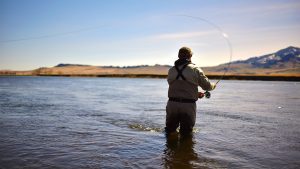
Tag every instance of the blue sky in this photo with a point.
(37, 33)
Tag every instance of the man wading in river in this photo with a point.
(184, 79)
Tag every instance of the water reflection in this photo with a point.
(179, 152)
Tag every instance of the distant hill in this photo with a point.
(282, 58)
(285, 62)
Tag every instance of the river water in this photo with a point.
(63, 122)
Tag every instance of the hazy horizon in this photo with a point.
(125, 33)
(132, 65)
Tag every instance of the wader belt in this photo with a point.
(179, 71)
(173, 99)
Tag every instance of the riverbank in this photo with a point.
(226, 77)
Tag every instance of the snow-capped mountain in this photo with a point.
(283, 62)
(289, 55)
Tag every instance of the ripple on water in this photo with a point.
(79, 123)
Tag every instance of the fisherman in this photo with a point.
(184, 78)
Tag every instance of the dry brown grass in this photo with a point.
(152, 70)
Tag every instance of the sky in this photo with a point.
(35, 33)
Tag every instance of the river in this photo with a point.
(76, 122)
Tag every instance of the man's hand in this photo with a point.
(214, 85)
(200, 95)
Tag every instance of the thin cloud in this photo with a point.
(270, 29)
(271, 8)
(182, 35)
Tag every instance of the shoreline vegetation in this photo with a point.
(283, 65)
(163, 76)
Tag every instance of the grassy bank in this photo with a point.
(226, 77)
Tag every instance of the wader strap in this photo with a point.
(179, 71)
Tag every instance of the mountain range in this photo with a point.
(285, 62)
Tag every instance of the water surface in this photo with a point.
(58, 122)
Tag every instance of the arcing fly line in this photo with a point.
(224, 35)
(51, 35)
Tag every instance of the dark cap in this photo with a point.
(185, 52)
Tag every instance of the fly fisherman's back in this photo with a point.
(184, 78)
